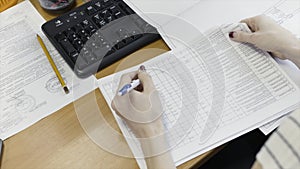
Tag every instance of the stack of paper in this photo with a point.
(256, 90)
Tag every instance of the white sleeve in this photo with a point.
(282, 150)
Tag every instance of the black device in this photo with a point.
(97, 34)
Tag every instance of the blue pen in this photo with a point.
(128, 87)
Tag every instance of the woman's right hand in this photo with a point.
(141, 109)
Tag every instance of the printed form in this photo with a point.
(255, 92)
(204, 14)
(29, 88)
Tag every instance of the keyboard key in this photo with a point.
(109, 18)
(101, 23)
(73, 38)
(91, 29)
(113, 9)
(84, 38)
(101, 42)
(120, 45)
(125, 8)
(85, 23)
(135, 34)
(69, 32)
(105, 14)
(77, 28)
(106, 2)
(98, 6)
(90, 10)
(128, 40)
(97, 36)
(101, 52)
(78, 44)
(67, 46)
(74, 56)
(112, 50)
(90, 58)
(87, 55)
(83, 33)
(118, 14)
(97, 17)
(94, 45)
(60, 36)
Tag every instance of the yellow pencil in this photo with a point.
(61, 80)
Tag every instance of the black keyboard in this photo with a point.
(97, 34)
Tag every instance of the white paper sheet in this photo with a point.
(204, 14)
(160, 12)
(294, 73)
(257, 91)
(29, 87)
(169, 7)
(287, 14)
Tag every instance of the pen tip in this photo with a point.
(66, 90)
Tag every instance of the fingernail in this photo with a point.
(231, 34)
(142, 68)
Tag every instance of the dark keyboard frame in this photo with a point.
(145, 35)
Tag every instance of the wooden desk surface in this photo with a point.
(58, 141)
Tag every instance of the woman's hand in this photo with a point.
(269, 36)
(140, 108)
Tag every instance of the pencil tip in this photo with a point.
(66, 90)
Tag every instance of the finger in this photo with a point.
(146, 81)
(249, 23)
(126, 79)
(241, 36)
(252, 23)
(140, 87)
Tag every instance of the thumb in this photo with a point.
(241, 36)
